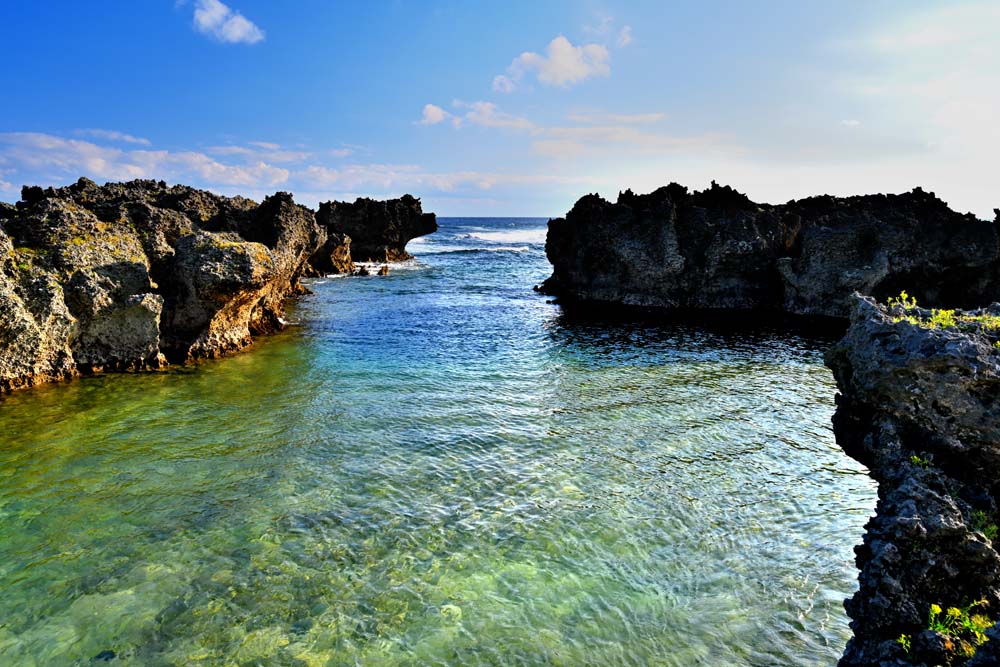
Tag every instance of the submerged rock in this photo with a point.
(920, 407)
(378, 230)
(717, 249)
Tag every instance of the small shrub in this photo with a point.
(921, 461)
(960, 622)
(981, 524)
(942, 319)
(904, 301)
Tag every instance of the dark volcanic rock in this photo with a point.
(716, 249)
(920, 406)
(378, 230)
(129, 275)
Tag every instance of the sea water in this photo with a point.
(437, 467)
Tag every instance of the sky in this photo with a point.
(505, 108)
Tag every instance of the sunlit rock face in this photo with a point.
(717, 249)
(919, 405)
(127, 276)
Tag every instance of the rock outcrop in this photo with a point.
(717, 249)
(135, 275)
(919, 405)
(378, 230)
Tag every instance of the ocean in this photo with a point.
(438, 467)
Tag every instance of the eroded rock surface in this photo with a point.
(920, 407)
(378, 230)
(717, 249)
(133, 275)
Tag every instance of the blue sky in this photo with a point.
(513, 108)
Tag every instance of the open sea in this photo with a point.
(438, 467)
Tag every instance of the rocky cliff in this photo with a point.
(132, 276)
(717, 249)
(378, 230)
(919, 405)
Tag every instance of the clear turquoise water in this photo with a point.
(437, 468)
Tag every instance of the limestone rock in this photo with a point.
(717, 249)
(378, 230)
(919, 407)
(127, 275)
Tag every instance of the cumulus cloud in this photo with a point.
(112, 135)
(433, 114)
(218, 20)
(562, 65)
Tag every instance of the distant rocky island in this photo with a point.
(138, 275)
(718, 250)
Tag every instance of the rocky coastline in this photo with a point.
(918, 405)
(140, 275)
(718, 250)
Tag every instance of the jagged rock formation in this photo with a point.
(920, 407)
(132, 276)
(716, 249)
(378, 230)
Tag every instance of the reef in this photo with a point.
(139, 275)
(718, 250)
(918, 405)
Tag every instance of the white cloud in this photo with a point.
(55, 159)
(112, 135)
(487, 114)
(216, 19)
(261, 151)
(503, 84)
(624, 36)
(850, 122)
(52, 160)
(563, 65)
(433, 114)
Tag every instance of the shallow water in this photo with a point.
(437, 468)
